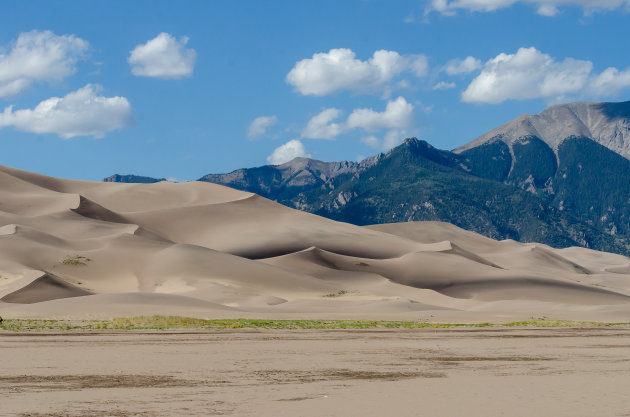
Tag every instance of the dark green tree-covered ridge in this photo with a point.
(583, 178)
(480, 190)
(417, 182)
(132, 179)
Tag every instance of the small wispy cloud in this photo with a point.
(543, 7)
(443, 85)
(462, 66)
(259, 126)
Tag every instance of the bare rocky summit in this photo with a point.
(608, 124)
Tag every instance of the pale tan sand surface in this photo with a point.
(79, 249)
(430, 372)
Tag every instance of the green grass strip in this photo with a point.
(176, 322)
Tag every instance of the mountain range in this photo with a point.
(559, 177)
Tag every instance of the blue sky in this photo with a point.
(183, 89)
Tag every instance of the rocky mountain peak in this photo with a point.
(608, 124)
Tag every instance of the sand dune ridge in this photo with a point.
(78, 248)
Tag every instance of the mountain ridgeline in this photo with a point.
(560, 177)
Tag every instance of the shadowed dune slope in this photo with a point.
(44, 288)
(89, 249)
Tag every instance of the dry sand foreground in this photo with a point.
(78, 249)
(462, 372)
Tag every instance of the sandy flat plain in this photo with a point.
(428, 372)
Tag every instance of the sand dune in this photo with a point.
(88, 249)
(44, 288)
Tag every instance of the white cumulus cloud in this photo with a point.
(543, 7)
(340, 70)
(39, 56)
(609, 83)
(531, 74)
(163, 57)
(79, 113)
(462, 66)
(259, 125)
(284, 153)
(398, 114)
(395, 121)
(528, 74)
(321, 126)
